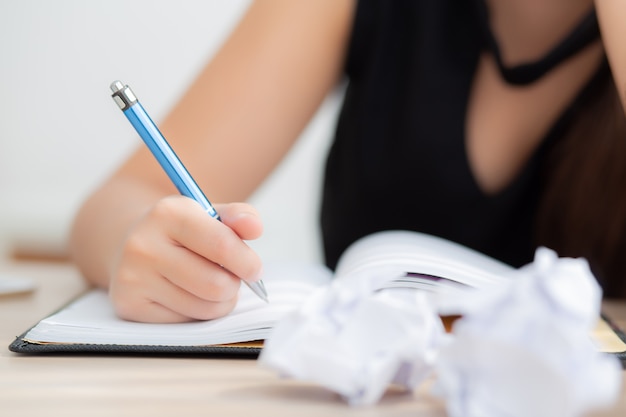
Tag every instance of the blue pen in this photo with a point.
(164, 154)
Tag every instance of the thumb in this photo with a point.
(242, 218)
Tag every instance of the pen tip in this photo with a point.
(259, 289)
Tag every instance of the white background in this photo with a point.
(61, 134)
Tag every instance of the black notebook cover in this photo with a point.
(239, 350)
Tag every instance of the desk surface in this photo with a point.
(124, 386)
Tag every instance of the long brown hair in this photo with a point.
(583, 209)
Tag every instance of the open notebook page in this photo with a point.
(91, 319)
(422, 259)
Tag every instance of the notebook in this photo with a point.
(88, 324)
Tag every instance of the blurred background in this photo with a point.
(61, 134)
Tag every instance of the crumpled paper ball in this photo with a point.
(356, 341)
(525, 350)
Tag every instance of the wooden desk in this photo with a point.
(136, 386)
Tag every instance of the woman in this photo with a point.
(493, 123)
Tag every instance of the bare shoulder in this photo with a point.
(274, 28)
(322, 14)
(611, 17)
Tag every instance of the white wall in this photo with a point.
(61, 134)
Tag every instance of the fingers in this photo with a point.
(197, 275)
(178, 263)
(220, 242)
(165, 302)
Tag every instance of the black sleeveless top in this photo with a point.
(398, 160)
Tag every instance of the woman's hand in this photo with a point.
(164, 259)
(177, 263)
